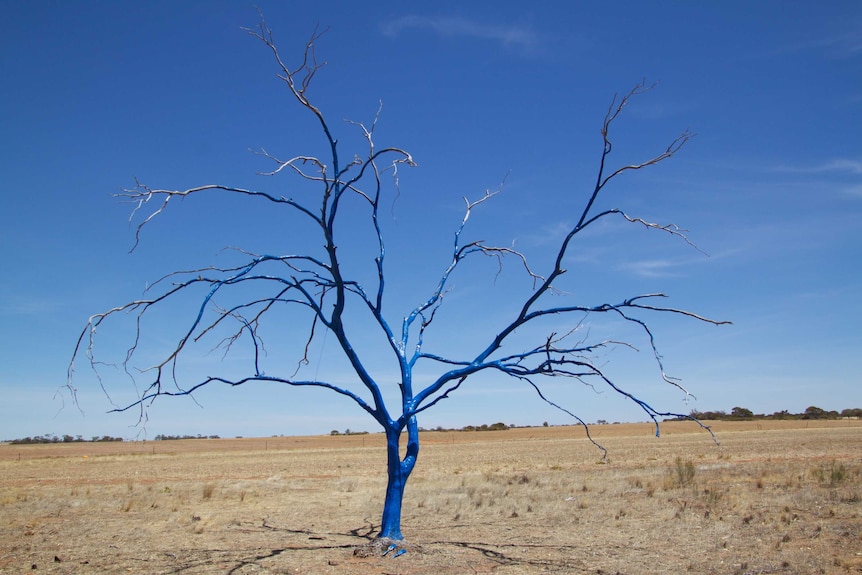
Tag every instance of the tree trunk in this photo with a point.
(398, 471)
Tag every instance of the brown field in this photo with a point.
(774, 497)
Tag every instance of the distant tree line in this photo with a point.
(484, 427)
(811, 412)
(736, 414)
(347, 432)
(49, 438)
(62, 439)
(161, 437)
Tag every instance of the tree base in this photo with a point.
(385, 547)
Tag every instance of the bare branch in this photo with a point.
(304, 73)
(141, 195)
(294, 164)
(672, 149)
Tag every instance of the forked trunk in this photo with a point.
(398, 471)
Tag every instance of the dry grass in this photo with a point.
(772, 498)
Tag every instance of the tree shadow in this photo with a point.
(502, 554)
(498, 553)
(233, 561)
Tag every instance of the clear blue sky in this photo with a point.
(96, 94)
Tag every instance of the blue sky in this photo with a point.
(96, 94)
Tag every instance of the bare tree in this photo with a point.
(318, 289)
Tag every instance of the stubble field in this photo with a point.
(774, 497)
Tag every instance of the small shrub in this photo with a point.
(711, 497)
(681, 475)
(832, 474)
(208, 490)
(852, 497)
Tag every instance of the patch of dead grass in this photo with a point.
(779, 500)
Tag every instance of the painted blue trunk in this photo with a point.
(398, 472)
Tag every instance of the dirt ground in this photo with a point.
(773, 497)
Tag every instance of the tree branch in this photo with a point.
(320, 288)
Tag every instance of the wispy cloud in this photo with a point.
(653, 268)
(842, 45)
(551, 233)
(27, 306)
(838, 165)
(667, 267)
(508, 35)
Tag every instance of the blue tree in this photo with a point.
(319, 288)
